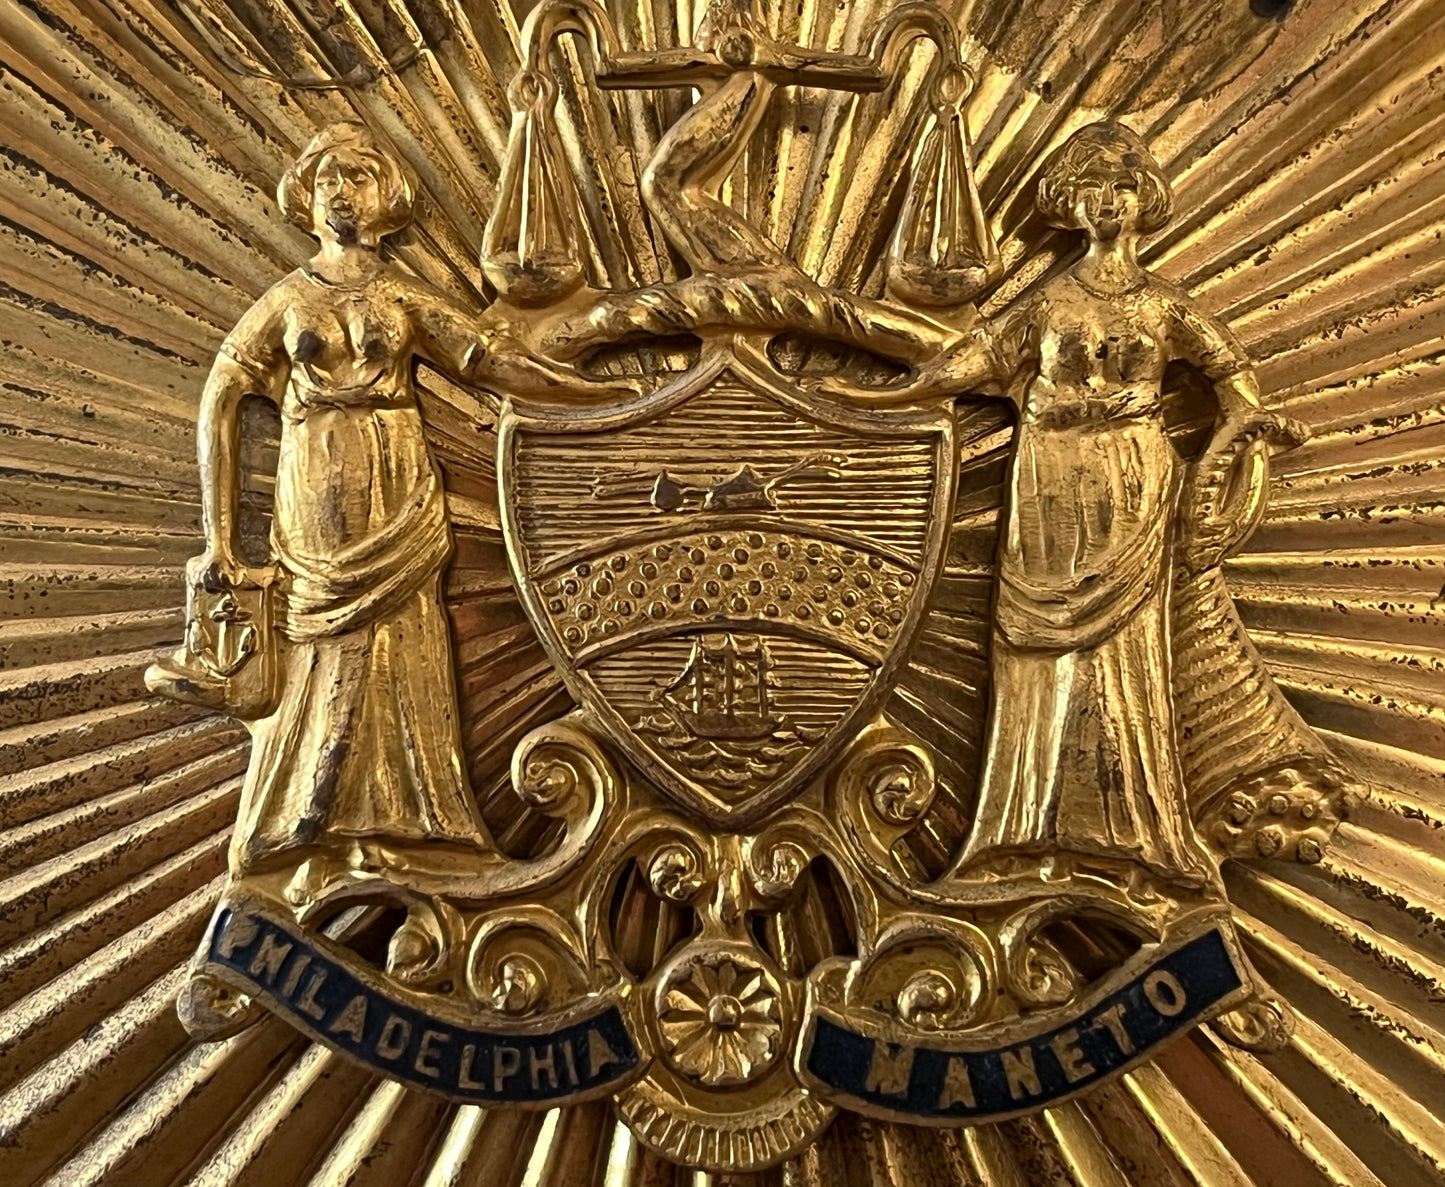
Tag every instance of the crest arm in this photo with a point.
(781, 64)
(747, 48)
(736, 65)
(647, 69)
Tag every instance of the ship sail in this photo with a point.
(723, 690)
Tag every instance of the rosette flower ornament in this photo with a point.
(721, 1021)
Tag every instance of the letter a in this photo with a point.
(599, 1054)
(352, 1020)
(957, 1085)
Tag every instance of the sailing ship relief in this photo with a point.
(717, 719)
(722, 696)
(726, 571)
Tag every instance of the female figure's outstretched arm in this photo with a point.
(447, 334)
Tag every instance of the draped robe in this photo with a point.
(364, 743)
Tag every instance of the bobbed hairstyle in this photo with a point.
(297, 191)
(1103, 151)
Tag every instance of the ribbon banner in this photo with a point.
(309, 983)
(950, 1085)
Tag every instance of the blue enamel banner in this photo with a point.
(941, 1085)
(312, 989)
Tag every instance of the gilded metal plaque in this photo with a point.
(783, 597)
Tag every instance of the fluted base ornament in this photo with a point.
(770, 672)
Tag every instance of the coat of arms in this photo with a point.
(733, 622)
(904, 714)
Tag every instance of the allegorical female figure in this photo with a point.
(1081, 756)
(361, 759)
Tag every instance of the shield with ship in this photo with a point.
(727, 572)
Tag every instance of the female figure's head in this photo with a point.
(1104, 182)
(346, 189)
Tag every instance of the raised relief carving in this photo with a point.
(1082, 757)
(358, 762)
(866, 798)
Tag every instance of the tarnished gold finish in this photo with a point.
(741, 637)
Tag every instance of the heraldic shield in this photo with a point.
(728, 571)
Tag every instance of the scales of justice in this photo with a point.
(863, 802)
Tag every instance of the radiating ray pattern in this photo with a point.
(136, 224)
